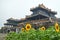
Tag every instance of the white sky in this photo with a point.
(19, 8)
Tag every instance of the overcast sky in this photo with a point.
(19, 8)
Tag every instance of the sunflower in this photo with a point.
(42, 28)
(28, 27)
(22, 29)
(57, 27)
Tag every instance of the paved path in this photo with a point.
(2, 36)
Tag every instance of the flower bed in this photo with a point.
(30, 33)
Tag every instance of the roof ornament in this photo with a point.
(41, 5)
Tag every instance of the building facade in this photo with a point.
(41, 15)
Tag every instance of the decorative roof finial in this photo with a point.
(41, 5)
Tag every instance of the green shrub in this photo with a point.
(48, 34)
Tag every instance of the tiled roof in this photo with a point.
(43, 7)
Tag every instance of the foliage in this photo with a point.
(48, 34)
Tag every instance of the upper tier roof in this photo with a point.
(41, 6)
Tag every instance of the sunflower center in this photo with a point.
(43, 28)
(57, 27)
(28, 27)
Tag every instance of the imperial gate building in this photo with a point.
(40, 16)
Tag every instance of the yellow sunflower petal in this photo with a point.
(57, 30)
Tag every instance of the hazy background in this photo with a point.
(19, 8)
